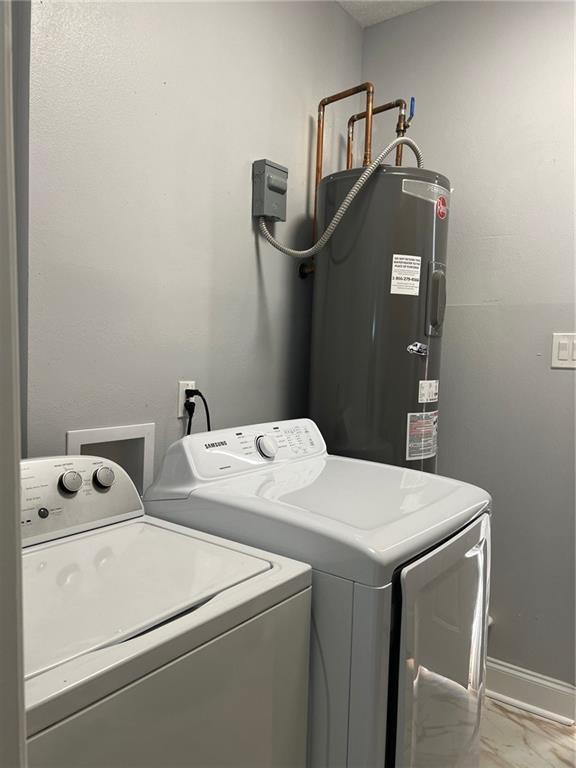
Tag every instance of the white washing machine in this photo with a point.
(150, 645)
(401, 565)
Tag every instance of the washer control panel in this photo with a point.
(231, 451)
(68, 494)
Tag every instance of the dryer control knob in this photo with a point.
(70, 481)
(267, 446)
(103, 477)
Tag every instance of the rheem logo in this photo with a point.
(441, 207)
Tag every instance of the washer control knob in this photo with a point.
(267, 446)
(103, 477)
(70, 481)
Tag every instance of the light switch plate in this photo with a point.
(564, 350)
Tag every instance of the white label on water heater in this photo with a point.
(405, 274)
(422, 435)
(428, 391)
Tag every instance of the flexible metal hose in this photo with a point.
(338, 216)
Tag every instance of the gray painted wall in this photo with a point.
(12, 750)
(494, 87)
(144, 267)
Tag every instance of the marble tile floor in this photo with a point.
(512, 738)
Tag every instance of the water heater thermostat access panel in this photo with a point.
(232, 451)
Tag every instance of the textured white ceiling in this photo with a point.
(369, 12)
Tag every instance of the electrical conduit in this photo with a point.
(346, 203)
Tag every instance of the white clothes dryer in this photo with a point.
(401, 565)
(150, 645)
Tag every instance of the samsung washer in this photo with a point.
(152, 645)
(401, 565)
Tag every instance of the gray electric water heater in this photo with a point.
(379, 300)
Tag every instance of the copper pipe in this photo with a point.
(401, 131)
(399, 104)
(369, 88)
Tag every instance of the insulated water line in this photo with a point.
(346, 203)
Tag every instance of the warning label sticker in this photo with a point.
(405, 274)
(422, 435)
(428, 391)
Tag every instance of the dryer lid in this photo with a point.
(355, 519)
(100, 588)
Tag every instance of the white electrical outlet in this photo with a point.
(182, 387)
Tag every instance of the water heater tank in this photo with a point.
(379, 299)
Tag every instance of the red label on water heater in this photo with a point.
(441, 208)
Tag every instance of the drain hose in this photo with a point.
(339, 215)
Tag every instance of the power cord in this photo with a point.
(190, 407)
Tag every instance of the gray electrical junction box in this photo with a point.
(269, 190)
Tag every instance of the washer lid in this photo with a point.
(100, 588)
(354, 519)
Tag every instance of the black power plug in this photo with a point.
(190, 407)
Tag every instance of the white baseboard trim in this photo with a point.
(530, 691)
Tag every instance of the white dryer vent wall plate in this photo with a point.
(131, 446)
